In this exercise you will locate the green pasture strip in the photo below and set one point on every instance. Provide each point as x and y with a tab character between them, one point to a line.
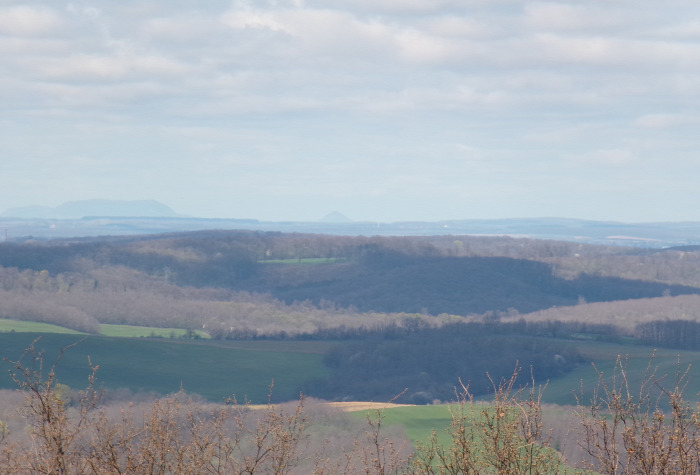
136	331
215	371
21	326
419	421
562	390
304	260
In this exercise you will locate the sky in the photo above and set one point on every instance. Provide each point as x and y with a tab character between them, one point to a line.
382	110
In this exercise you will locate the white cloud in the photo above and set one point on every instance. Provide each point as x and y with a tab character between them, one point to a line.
261	19
182	30
660	121
108	67
682	30
27	20
399	6
579	17
451	26
83	11
416	46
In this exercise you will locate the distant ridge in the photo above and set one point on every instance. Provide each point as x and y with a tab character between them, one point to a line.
85	208
335	217
144	217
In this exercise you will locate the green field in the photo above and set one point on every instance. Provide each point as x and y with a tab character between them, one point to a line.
135	331
19	326
419	421
561	390
215	370
129	331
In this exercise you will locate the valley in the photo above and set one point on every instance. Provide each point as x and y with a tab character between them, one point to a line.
263	317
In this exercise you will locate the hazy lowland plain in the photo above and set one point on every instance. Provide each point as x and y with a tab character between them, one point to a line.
423	320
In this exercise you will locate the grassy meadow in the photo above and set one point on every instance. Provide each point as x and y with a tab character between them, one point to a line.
19	326
418	421
136	331
214	371
667	363
127	331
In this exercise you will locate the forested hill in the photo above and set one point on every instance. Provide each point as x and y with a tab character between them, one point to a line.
446	274
465	285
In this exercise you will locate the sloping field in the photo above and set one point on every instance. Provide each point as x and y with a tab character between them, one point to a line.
666	362
130	331
20	326
215	371
420	421
136	331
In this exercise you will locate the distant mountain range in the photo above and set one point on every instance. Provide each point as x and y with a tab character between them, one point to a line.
94	208
117	218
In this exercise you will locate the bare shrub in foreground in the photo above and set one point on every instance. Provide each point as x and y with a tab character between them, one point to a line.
54	430
375	451
649	431
504	436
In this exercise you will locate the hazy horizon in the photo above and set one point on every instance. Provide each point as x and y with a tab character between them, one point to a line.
419	110
109	208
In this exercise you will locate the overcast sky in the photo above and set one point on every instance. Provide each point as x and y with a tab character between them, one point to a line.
383	110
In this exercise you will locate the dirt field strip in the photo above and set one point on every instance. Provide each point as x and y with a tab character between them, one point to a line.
349	406
364	406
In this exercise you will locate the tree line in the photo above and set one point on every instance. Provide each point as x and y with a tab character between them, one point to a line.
677	334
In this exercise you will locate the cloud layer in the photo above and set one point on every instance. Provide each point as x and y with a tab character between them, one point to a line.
384	109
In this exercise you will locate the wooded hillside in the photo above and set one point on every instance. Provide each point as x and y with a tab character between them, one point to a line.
238	283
